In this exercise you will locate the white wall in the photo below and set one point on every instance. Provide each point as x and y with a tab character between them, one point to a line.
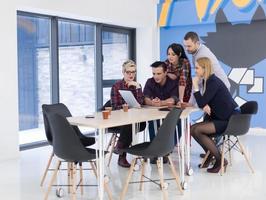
147	52
140	14
8	83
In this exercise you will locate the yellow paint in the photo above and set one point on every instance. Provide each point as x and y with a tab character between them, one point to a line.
216	5
164	13
241	3
201	6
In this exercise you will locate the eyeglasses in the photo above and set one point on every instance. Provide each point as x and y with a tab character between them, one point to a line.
130	72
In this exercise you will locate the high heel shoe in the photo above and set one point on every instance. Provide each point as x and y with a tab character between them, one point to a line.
208	161
217	167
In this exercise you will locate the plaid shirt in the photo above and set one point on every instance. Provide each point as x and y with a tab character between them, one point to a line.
117	100
183	73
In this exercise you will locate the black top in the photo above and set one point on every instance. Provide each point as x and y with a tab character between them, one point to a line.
218	98
168	90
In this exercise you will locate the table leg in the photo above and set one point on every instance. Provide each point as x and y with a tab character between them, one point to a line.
134	134
101	164
178	150
187	132
182	149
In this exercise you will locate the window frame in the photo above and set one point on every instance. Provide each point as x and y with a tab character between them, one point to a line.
100	84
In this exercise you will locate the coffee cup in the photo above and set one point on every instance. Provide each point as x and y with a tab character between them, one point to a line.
125	107
105	114
109	109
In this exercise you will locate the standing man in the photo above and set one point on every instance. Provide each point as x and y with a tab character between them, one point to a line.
199	50
159	90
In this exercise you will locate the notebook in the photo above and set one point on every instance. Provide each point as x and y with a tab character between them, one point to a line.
129	99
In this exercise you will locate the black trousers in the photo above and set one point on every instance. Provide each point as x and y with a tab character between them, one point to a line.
126	133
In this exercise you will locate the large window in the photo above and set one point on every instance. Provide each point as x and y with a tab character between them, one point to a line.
33	71
115	52
117	47
69	61
76	66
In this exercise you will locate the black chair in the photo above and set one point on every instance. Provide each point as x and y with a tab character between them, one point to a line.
114	138
162	145
62	110
115	135
238	125
67	147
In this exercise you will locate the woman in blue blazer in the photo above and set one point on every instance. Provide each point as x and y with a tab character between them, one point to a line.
218	104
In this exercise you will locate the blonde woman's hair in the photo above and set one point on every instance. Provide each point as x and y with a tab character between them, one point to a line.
206	64
127	64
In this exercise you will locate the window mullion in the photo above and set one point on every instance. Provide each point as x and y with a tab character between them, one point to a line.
54	61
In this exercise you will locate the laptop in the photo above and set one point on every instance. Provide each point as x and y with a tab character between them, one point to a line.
129	98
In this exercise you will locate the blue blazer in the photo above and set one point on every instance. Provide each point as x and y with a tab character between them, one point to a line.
218	98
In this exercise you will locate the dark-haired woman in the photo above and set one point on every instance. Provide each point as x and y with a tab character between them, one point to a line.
178	68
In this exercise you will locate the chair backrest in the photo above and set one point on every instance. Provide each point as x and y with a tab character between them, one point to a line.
107	104
66	143
47	128
112	129
239	124
250	107
60	109
164	141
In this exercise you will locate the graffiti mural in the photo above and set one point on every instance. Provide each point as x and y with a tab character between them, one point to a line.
234	31
237	56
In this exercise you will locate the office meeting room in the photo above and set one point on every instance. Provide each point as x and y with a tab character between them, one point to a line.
133	99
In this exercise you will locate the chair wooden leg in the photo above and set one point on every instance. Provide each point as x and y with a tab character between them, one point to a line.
229	150
52	179
122	196
71	179
160	171
47	168
222	157
68	176
81	178
107	189
245	155
113	142
205	158
74	177
175	175
143	165
93	166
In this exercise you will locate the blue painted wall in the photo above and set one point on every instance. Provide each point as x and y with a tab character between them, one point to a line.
182	17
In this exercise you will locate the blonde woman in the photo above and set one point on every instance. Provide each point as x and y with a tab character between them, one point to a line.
128	82
218	104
